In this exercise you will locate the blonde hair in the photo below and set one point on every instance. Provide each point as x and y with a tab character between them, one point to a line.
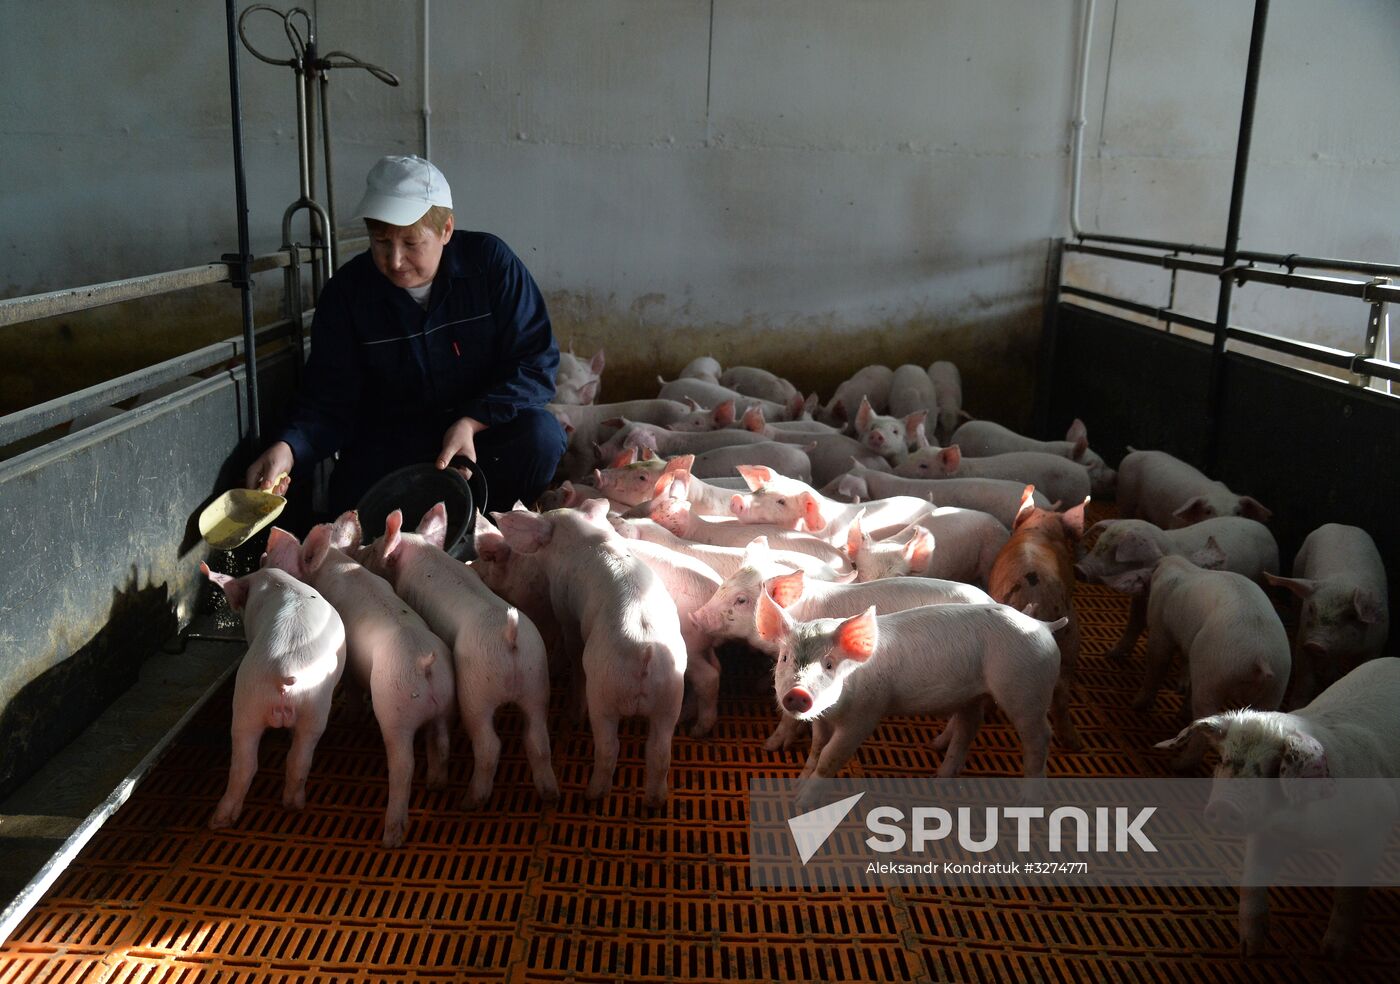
435	218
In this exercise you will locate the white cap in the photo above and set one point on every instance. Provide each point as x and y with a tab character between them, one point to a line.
400	190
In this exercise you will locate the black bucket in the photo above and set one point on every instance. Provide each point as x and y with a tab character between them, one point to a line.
416	489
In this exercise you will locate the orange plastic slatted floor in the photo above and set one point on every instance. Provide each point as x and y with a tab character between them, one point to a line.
572	895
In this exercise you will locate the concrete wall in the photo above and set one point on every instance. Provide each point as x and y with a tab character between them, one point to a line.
807	184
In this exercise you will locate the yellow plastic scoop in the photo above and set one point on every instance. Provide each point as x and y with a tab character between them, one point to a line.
231	519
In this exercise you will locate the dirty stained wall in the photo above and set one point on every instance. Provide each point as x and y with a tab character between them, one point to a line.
805	184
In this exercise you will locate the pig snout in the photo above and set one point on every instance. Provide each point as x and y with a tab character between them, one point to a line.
1232	805
739	504
707	619
797	701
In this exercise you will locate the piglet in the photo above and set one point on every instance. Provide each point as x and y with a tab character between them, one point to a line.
845	675
296	652
998	498
1349	731
1127	551
704	367
967	543
406	669
712	395
1340	581
1235	647
1154	486
982	438
947	383
753	381
1060	479
911	392
889	437
498	654
578	381
871	383
1036	567
618	621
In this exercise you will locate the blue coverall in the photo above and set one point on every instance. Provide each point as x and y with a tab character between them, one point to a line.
385	378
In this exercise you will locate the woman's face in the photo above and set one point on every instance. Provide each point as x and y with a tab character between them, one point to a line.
408	255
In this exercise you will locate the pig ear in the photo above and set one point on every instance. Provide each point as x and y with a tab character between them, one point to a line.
1210	557
640	439
524	531
1251	508
1077	432
753	418
1027	506
234	589
1303	771
565	422
433	526
624	458
1299	586
1073	519
811	512
648	454
345	531
1078	449
679	465
596	365
809	406
615	422
315	548
1131	582
919	551
1213	727
786	588
795	405
595	511
863	415
588	392
914	425
389	542
1195	510
772	623
692	405
1134	548
857	636
756	476
724	414
921	440
755	551
951	458
855	539
1367	606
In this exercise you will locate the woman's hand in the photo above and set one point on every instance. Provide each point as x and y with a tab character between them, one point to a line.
460	439
271	471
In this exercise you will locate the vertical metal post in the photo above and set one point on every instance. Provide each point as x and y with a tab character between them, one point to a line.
1216	387
1378	333
1049	339
240	275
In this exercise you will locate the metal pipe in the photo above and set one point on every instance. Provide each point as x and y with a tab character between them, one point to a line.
332	238
1377	333
17	310
242	278
427	105
1291	261
1077	124
1215	393
1167	261
1162	314
1322	354
40	417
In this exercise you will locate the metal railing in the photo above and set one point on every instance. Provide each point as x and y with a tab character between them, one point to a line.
1377	292
16	310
